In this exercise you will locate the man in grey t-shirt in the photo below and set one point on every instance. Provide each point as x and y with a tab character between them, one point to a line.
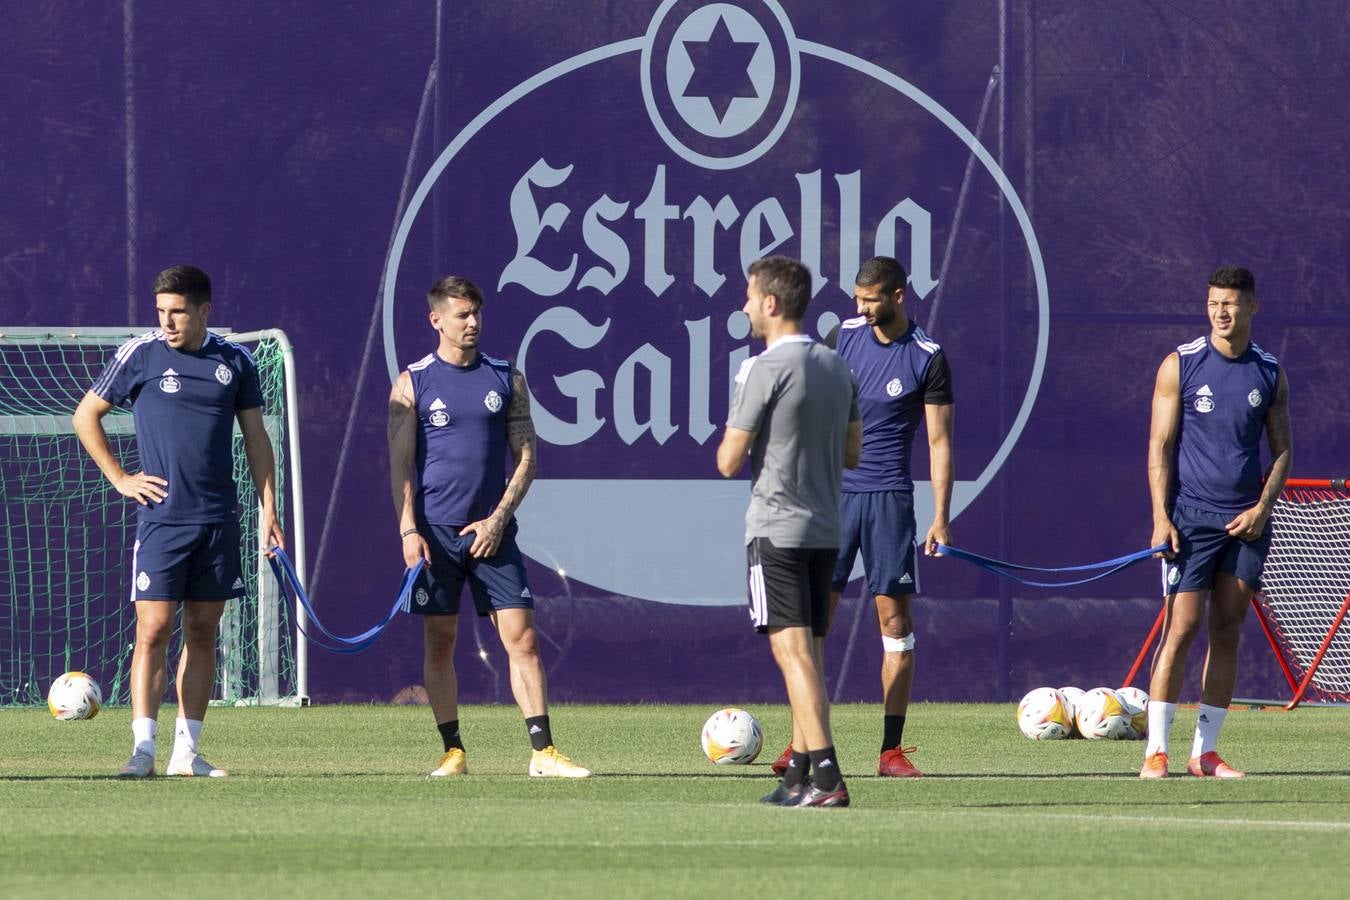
795	414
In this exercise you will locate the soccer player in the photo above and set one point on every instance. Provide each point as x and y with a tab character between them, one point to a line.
795	413
452	416
1212	400
903	379
186	388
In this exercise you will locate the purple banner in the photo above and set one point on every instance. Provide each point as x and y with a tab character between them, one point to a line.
1058	177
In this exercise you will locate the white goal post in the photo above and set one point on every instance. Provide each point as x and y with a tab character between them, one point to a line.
66	534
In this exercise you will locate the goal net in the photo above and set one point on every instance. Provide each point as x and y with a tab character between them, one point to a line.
1306	589
65	551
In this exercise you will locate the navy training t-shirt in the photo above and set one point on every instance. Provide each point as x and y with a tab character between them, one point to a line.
184	404
461	437
1223	416
895	381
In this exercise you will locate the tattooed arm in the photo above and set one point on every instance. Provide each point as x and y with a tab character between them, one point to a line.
520	438
402	435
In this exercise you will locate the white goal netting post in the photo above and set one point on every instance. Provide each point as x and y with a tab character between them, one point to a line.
1305	591
65	546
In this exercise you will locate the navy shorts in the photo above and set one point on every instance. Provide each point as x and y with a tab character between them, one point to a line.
789	586
881	524
1207	549
497	582
186	562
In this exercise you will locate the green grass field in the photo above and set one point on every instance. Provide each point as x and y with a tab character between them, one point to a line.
334	801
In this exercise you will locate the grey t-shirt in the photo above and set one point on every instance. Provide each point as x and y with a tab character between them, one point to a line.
798	397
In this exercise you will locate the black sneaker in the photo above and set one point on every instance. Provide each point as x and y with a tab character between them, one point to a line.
814	796
782	795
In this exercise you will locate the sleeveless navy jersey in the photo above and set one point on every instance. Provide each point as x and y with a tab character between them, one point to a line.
895	381
461	437
1223	415
184	404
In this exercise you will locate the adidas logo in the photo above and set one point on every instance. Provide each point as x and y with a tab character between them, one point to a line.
825	764
169	372
905	579
238	583
535	729
1204	718
525	593
436	404
1204	391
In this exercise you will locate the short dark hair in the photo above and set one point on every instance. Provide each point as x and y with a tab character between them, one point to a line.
1234	278
883	270
189	282
456	287
787	279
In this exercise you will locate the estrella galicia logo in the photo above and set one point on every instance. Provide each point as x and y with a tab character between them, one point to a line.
169	382
610	203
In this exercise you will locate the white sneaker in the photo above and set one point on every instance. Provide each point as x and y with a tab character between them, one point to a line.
141	765
194	766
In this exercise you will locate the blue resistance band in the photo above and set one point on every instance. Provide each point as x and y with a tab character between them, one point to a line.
1008	570
291	587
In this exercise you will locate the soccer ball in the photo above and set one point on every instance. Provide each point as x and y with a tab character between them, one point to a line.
732	737
1072	697
1042	715
74	696
1135	702
1101	716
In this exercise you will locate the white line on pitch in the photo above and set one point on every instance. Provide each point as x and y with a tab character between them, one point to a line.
1308	825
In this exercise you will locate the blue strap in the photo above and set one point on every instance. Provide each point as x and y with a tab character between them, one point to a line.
322	637
1007	570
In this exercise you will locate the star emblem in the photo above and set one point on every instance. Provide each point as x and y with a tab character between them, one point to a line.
721	69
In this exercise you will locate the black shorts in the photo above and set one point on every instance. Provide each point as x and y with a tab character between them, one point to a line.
789	586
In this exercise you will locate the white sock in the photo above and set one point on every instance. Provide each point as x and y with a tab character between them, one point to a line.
143	735
1160	716
1207	729
185	735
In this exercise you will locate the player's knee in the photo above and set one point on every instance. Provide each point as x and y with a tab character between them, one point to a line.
524	643
897	643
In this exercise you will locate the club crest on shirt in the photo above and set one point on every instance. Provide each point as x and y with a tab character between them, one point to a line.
143	581
893	387
1254	398
170	384
493	401
223	374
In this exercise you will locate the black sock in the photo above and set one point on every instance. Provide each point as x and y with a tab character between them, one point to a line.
450	734
892	732
797	768
825	769
541	735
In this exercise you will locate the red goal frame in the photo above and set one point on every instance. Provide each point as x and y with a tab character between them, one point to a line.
1270	629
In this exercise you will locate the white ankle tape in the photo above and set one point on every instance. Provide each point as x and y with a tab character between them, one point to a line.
897	645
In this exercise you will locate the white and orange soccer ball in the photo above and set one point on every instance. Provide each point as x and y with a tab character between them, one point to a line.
1102	716
1044	716
1072	696
74	696
1136	706
732	737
